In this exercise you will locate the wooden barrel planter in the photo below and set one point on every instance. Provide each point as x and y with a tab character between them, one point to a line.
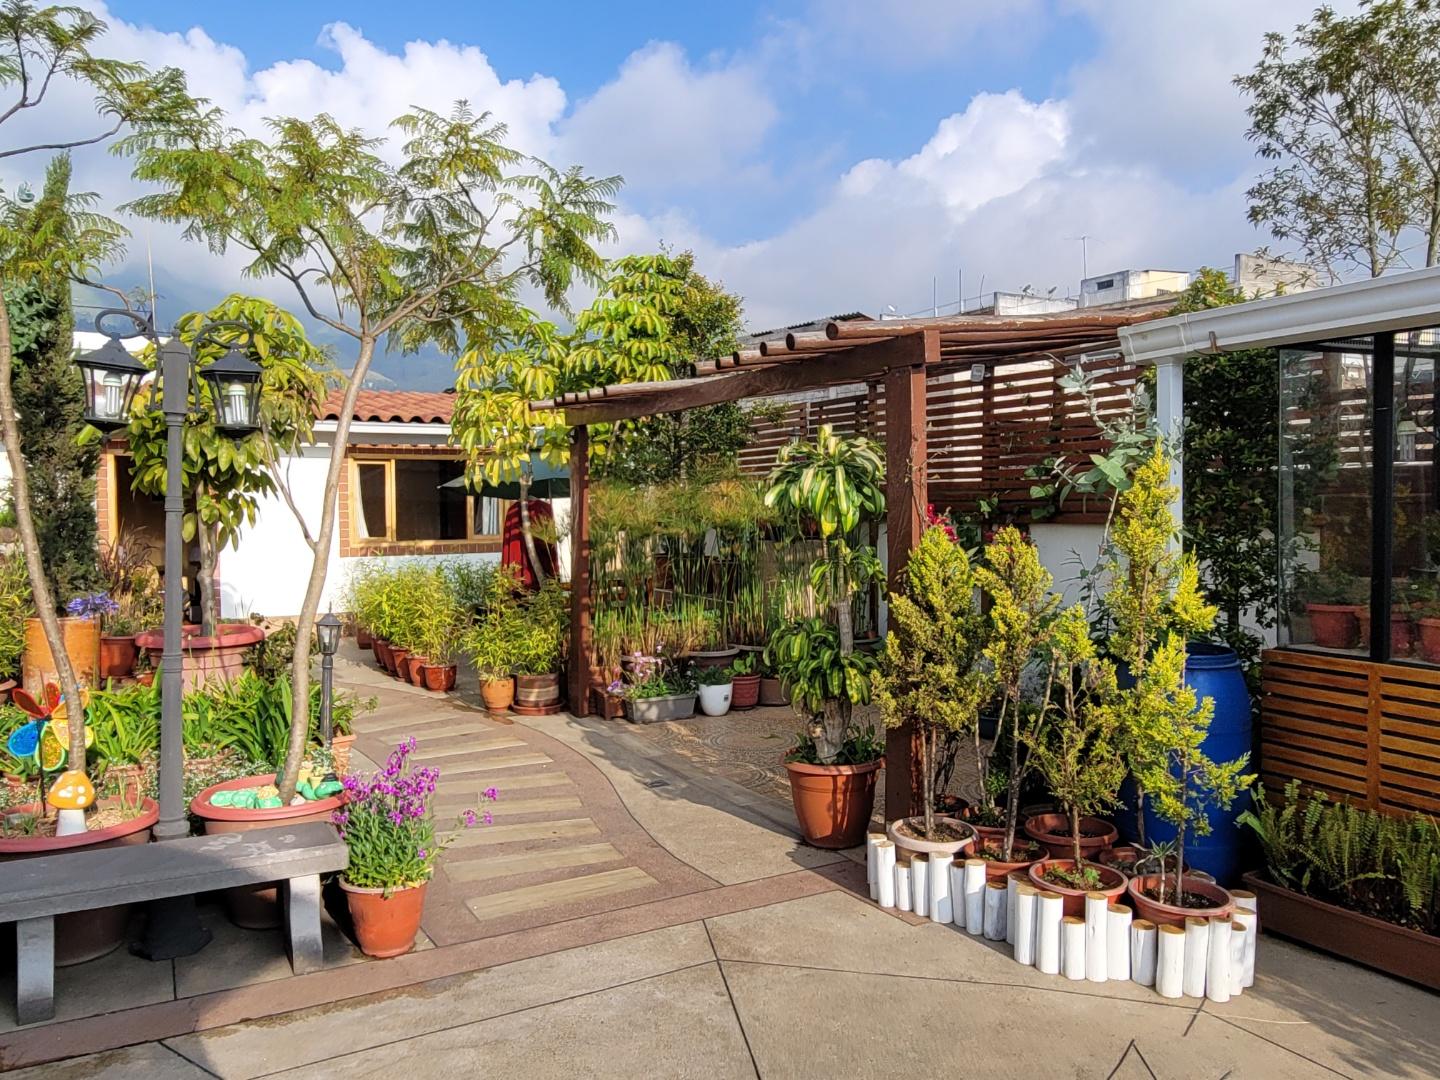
537	695
82	644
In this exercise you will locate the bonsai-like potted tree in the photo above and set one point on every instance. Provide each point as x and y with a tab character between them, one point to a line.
929	674
1077	751
830	487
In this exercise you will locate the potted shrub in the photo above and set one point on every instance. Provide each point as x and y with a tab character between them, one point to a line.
15	608
1358	883
1077	752
490	644
389	827
1333	601
657	692
745	681
930	678
709	648
539	647
715	688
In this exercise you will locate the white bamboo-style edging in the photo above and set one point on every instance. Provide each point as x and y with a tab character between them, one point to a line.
995	893
919	885
1247	905
1072	932
885	873
1197	951
1117	942
1049	909
1217	962
1097	949
1237	957
940	909
1142	951
975	896
957	893
872	877
1170	961
903	893
1024	924
1013	881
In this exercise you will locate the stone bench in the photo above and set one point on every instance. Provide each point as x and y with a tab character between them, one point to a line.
34	891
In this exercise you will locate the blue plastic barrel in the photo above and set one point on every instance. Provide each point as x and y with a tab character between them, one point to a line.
1214	672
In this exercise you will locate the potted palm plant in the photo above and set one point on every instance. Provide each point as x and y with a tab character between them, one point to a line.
930	677
830	488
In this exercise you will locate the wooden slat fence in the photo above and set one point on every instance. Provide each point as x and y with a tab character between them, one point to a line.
1362	731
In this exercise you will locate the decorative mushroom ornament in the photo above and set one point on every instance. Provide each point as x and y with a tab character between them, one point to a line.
71	794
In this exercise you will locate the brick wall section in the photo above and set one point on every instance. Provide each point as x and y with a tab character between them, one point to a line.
353	547
104	508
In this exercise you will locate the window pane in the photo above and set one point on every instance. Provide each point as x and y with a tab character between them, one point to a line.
370	506
429	499
1325	476
488	515
1414	633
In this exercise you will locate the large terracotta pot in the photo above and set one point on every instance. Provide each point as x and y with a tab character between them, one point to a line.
438	677
82	645
363	640
85	935
256	907
537	691
745	691
204	659
414	666
910	839
1174	914
713	658
385	925
1112	884
1402	630
383	656
1430	639
398	655
1335	626
117	656
995	868
498	694
1052	832
833	802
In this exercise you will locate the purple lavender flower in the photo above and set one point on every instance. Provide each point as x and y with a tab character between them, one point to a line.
422	854
470	818
492	793
489	817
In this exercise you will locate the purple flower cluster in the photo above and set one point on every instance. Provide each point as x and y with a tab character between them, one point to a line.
397	793
90	606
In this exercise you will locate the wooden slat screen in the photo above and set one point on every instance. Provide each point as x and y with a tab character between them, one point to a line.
1358	730
983	436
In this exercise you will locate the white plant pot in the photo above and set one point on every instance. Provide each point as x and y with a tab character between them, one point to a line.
715	700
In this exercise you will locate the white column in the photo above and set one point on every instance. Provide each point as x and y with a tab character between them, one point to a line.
1142	951
1170	961
1025	901
1170	416
1072	933
975	896
1117	942
940	909
1197	951
885	873
1237	957
1049	909
903	891
994	920
1249	920
920	885
1097	951
871	878
1217	962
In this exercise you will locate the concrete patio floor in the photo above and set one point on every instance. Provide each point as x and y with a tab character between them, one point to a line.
653	918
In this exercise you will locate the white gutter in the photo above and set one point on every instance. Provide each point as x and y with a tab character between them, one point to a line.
377	427
1397	302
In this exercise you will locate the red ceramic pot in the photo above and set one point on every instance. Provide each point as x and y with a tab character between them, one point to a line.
833	802
415	669
1334	626
1052	832
745	691
439	677
117	656
386	921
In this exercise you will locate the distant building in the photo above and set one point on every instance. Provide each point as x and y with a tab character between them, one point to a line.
1264	275
1122	285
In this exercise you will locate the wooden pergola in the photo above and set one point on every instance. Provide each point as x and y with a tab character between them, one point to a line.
899	355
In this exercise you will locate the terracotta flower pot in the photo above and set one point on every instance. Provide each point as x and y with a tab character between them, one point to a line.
907	833
81	636
439	677
833	802
340	747
498	694
85	935
1334	626
1173	914
385	925
398	667
202	658
1052	832
1112	883
363	640
117	656
1429	639
745	691
1402	630
997	868
772	692
415	669
256	907
382	654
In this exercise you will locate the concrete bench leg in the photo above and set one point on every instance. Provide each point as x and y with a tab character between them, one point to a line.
302	921
35	970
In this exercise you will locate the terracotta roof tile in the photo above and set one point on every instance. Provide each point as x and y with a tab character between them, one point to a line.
395	406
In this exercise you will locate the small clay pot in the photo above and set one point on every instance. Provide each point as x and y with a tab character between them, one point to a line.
415	669
909	838
398	657
117	656
1052	832
363	640
498	694
1112	883
1174	914
385	925
997	869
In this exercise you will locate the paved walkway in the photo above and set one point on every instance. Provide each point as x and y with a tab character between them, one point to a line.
631	914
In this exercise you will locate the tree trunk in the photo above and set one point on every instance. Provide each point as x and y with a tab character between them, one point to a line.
1012	786
927	763
829	730
205	535
526	532
30	543
1075	834
310	606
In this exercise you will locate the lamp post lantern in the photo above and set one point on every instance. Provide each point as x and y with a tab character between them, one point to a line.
327	629
112	379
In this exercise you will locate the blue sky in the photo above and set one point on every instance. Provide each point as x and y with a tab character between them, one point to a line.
819	156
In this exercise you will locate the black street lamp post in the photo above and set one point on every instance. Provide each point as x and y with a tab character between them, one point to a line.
328	631
112	379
